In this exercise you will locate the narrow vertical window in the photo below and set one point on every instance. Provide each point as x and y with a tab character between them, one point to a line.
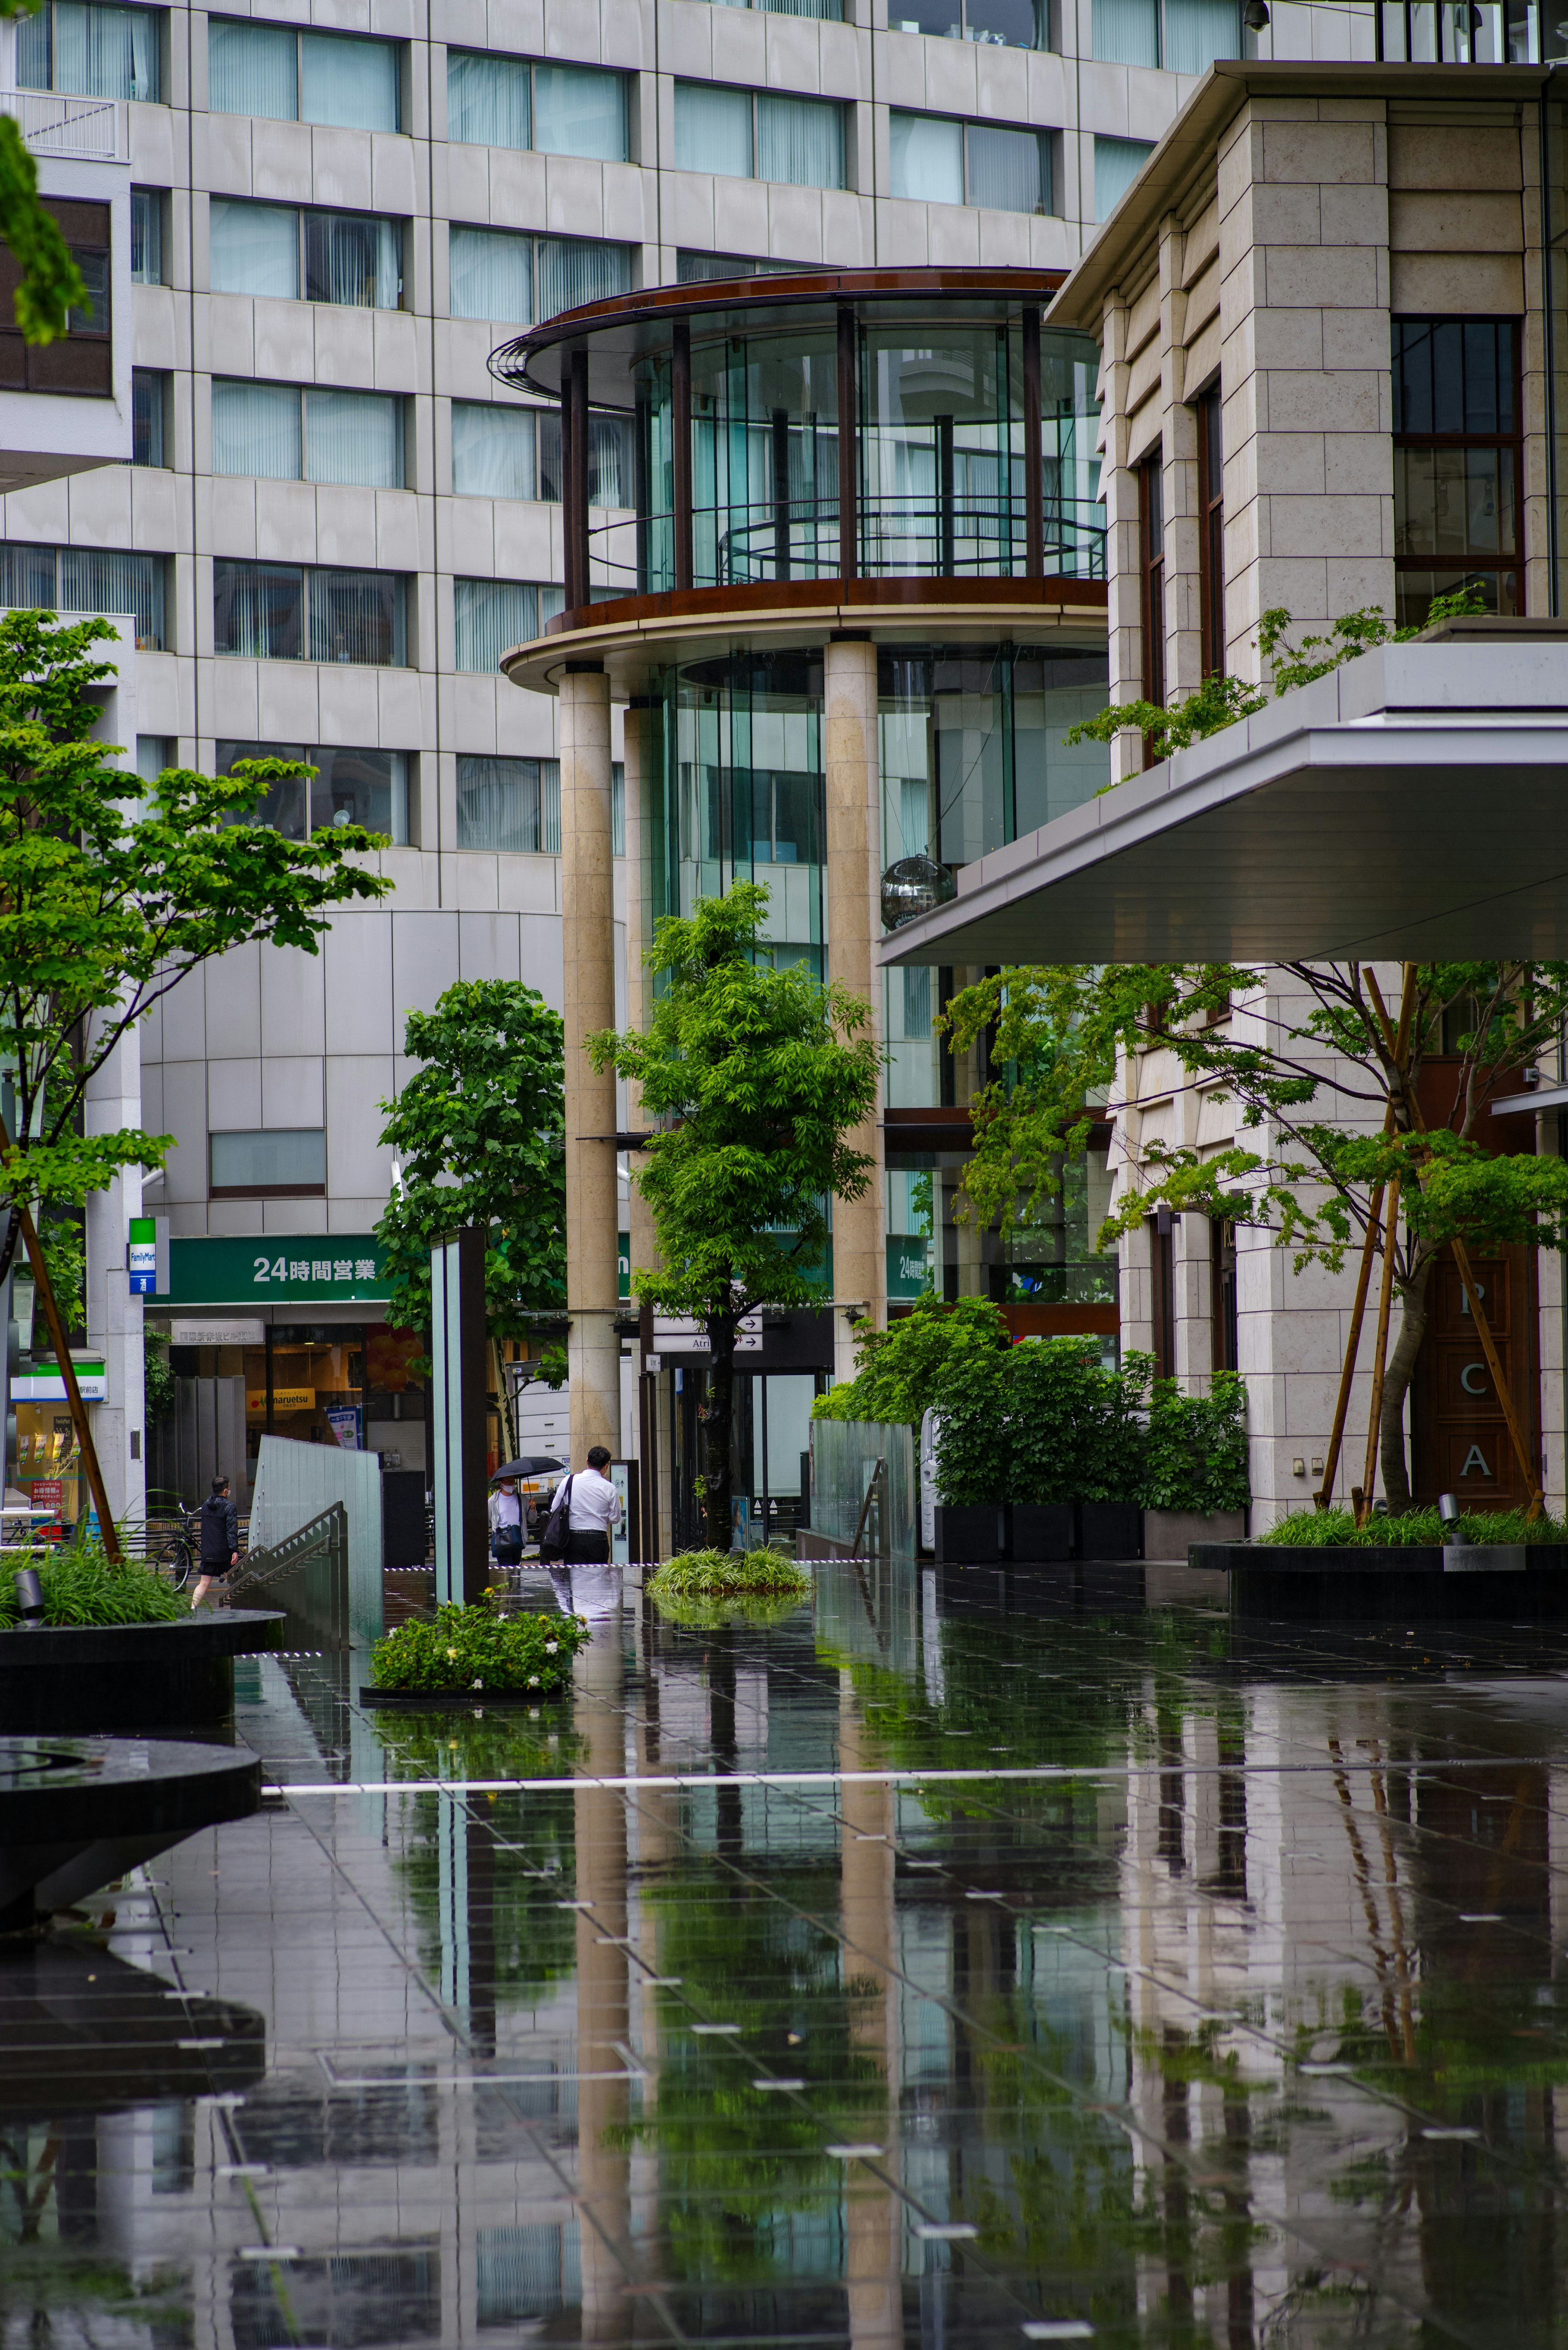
1151	549
1224	1330
1211	533
1457	463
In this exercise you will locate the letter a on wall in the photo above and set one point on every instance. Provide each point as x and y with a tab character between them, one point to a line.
1475	1459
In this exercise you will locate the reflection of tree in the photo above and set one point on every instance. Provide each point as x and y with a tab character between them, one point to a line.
53	2288
527	1839
745	2186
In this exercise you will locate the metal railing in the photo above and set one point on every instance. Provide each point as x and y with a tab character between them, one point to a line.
54	125
899	536
305	1574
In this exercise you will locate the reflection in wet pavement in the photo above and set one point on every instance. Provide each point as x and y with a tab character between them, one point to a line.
968	1958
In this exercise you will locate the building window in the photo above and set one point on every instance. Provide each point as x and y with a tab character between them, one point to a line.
292	612
747	134
82	362
295	433
274	1163
147	237
938	160
1151	553
278	251
1162	1299
998	24
511	805
491	616
515	452
515	279
556	110
349	787
148	397
86	580
825	12
1118	163
1183	36
705	268
286	75
1211	533
91	51
1224	1329
1458	471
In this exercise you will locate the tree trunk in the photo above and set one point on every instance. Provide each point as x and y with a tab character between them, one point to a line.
1396	1386
717	1474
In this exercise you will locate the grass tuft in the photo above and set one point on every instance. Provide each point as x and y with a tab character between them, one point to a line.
702	1586
85	1587
1337	1529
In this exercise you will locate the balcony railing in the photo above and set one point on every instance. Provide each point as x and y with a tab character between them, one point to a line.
52	125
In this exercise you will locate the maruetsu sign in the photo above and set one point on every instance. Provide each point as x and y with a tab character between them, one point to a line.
142	1257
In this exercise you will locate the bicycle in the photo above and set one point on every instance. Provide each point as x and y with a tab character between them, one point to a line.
179	1557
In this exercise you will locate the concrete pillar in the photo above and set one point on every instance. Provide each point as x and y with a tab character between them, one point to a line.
587	941
854	927
640	721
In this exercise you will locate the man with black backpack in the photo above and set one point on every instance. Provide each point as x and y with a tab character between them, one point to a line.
220	1539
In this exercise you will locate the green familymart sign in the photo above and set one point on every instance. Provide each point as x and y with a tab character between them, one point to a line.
273	1268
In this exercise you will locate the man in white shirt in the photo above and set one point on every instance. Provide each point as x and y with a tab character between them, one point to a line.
593	1506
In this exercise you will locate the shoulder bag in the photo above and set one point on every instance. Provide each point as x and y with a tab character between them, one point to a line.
557	1527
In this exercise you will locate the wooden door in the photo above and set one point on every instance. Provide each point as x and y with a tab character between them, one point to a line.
1461	1442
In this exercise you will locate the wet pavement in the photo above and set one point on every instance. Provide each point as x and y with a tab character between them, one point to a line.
966	1958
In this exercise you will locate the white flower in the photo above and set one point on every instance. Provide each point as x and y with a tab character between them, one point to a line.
479	1684
452	1652
552	1647
532	1680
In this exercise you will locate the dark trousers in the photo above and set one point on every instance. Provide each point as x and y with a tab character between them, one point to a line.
584	1549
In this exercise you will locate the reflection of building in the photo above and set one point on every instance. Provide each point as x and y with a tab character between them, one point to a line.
1325	324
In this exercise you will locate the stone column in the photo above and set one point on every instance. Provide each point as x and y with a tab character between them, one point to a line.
853	849
588	943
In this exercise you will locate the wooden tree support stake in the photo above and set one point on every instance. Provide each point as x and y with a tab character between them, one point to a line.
57	1329
1380	1358
1323	1498
1494	1364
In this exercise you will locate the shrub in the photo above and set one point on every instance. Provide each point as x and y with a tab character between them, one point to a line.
903	1370
1195	1453
86	1586
478	1647
1337	1529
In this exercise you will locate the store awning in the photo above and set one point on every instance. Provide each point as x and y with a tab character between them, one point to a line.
1414	803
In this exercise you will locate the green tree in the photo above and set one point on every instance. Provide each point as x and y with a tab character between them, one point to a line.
479	1130
1326	1079
754	1077
107	904
900	1371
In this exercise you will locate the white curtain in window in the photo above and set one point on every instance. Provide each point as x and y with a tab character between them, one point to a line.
258	609
712	130
255	429
487	100
35	68
1127	32
357	616
353	436
252	69
353	258
574	269
146	236
1118	163
254	249
513	805
94	580
492	616
491	451
1004	169
579	110
103	52
491	276
926	158
1199	31
800	140
348	81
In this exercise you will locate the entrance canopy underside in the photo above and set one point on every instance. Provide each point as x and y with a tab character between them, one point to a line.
1413	804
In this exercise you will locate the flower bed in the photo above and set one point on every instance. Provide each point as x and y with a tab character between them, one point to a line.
479	1651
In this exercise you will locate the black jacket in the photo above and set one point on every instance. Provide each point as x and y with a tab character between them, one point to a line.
220	1531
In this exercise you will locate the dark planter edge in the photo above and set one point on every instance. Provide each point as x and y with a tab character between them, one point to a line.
230	1632
1281	1558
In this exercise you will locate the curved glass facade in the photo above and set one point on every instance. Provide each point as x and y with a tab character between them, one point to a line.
939	471
971	754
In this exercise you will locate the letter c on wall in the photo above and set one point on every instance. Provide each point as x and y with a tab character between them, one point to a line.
1465	1378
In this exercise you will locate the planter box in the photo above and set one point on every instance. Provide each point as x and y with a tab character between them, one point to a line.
1043	1532
1169	1534
115	1679
1110	1530
971	1535
1520	1583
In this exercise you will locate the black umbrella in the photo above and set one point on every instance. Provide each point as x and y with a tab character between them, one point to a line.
517	1468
